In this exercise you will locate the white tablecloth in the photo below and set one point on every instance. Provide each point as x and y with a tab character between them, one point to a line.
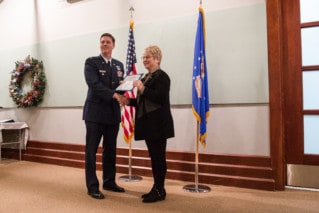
16	126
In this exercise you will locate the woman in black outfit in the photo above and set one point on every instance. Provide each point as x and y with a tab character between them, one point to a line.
153	118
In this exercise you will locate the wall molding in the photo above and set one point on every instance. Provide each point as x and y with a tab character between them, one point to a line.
253	172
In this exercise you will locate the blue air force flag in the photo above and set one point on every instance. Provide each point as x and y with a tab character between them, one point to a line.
200	99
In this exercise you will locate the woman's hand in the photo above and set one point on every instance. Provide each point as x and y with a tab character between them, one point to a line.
139	85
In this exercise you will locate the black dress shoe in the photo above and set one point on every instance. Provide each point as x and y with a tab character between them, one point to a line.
96	195
162	192
155	195
113	187
147	194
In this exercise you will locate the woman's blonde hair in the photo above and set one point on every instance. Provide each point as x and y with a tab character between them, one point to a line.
155	51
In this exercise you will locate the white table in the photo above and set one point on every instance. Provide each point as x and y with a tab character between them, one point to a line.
23	134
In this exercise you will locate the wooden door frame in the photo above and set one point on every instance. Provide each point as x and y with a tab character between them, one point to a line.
276	66
293	83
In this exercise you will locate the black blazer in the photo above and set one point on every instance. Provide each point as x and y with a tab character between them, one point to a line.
153	118
100	107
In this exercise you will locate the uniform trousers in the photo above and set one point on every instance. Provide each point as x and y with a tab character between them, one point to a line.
94	134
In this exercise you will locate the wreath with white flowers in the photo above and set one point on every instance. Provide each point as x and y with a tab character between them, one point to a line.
38	82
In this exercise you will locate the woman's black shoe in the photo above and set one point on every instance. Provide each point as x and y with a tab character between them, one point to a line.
96	195
147	194
155	195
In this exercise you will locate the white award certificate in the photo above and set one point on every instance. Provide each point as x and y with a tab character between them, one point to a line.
127	84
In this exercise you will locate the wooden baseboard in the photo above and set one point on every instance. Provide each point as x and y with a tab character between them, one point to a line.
253	172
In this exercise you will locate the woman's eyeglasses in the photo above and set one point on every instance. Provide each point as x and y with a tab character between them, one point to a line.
146	57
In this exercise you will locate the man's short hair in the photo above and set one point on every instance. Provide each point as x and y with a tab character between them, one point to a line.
108	35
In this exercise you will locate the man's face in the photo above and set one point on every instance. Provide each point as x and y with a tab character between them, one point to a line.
106	45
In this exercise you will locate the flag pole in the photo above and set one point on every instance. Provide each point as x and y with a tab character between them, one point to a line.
130	177
196	159
197	187
130	159
199	75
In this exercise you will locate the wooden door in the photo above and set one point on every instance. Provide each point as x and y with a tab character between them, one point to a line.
301	91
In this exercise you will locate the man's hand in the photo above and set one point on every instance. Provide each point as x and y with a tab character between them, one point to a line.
122	99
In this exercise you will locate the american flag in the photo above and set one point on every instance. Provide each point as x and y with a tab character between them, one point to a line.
128	111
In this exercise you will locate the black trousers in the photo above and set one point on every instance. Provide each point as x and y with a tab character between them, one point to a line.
157	152
94	134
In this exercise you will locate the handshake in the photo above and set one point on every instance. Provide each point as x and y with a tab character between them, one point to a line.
122	99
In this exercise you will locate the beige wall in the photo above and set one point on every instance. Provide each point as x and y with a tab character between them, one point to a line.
231	129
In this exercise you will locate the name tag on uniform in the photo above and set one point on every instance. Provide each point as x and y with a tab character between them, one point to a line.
102	72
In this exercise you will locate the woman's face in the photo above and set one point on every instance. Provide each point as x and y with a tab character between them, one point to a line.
150	63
